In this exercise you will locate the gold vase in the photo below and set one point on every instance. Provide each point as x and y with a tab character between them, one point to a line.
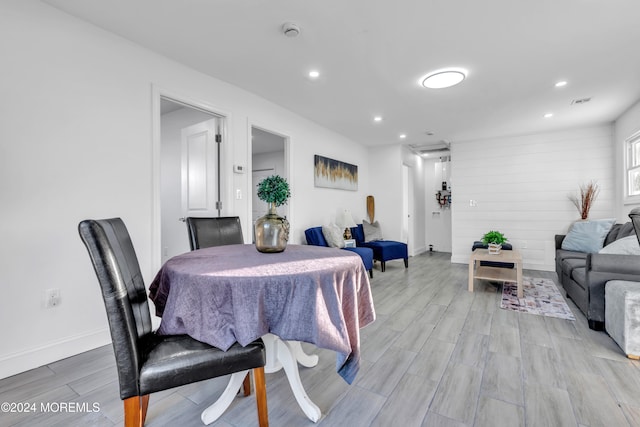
272	232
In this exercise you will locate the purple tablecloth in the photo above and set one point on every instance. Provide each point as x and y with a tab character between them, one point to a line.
225	294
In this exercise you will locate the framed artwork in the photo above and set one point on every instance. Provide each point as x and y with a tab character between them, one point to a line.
330	173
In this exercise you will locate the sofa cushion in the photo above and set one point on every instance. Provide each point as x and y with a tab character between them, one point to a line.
315	237
372	232
579	276
587	236
357	233
570	264
333	235
618	231
624	246
561	254
366	254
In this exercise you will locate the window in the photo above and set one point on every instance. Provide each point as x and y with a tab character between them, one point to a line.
633	166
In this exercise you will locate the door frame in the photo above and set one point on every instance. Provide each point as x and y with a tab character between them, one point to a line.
408	206
157	93
287	165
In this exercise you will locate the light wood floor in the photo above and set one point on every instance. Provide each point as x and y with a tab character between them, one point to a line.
436	356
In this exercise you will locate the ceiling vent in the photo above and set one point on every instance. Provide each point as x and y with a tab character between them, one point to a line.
439	147
580	101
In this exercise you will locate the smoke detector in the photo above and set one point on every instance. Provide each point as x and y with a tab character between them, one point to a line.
290	29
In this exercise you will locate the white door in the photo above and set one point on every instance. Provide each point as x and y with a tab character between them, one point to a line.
199	175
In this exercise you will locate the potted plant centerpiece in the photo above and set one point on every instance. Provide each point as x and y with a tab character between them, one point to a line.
494	239
272	230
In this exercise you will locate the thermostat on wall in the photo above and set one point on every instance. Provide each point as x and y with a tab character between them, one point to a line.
238	168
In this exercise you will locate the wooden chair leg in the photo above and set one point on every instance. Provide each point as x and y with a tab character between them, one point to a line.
246	385
261	397
135	410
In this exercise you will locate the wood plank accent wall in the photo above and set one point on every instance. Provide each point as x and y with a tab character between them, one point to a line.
521	186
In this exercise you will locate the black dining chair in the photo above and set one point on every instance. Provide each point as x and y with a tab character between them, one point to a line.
148	362
219	231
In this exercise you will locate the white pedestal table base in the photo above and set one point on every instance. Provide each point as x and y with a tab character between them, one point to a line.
280	354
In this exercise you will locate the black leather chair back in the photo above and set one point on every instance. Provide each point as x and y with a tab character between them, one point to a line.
208	232
125	296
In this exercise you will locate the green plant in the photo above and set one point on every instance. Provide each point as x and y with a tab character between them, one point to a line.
274	189
494	237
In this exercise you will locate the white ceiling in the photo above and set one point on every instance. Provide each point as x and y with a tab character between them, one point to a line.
371	54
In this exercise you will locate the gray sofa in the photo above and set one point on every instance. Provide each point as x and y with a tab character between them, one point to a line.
584	275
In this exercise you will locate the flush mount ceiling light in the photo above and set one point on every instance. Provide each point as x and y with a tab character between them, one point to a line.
443	78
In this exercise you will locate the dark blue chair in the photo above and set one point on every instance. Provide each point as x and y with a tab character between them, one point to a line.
383	250
316	238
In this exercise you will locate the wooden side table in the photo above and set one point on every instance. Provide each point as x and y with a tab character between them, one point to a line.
496	273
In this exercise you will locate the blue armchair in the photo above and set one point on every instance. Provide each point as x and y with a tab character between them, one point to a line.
315	237
383	250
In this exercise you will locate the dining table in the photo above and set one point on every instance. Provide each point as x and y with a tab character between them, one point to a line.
234	293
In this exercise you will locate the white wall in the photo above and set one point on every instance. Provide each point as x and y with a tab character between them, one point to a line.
386	188
626	125
521	186
76	142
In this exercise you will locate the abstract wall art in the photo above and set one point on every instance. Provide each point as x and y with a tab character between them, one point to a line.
330	173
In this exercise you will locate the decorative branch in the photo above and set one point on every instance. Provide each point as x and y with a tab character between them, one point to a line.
588	194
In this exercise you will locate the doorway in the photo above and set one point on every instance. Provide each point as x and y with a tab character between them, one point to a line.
189	165
268	157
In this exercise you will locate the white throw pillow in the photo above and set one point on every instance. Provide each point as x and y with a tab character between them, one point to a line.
626	246
333	236
372	232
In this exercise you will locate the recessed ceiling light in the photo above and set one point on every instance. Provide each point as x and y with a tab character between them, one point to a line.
546	116
561	83
403	136
314	74
377	119
443	78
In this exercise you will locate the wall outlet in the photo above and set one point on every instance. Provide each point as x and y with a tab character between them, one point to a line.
52	298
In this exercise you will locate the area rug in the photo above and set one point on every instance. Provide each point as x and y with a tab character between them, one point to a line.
541	297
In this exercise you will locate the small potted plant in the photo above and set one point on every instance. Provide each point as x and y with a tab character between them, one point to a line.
272	230
494	239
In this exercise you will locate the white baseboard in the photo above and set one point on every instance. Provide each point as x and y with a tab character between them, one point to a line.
418	251
16	363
